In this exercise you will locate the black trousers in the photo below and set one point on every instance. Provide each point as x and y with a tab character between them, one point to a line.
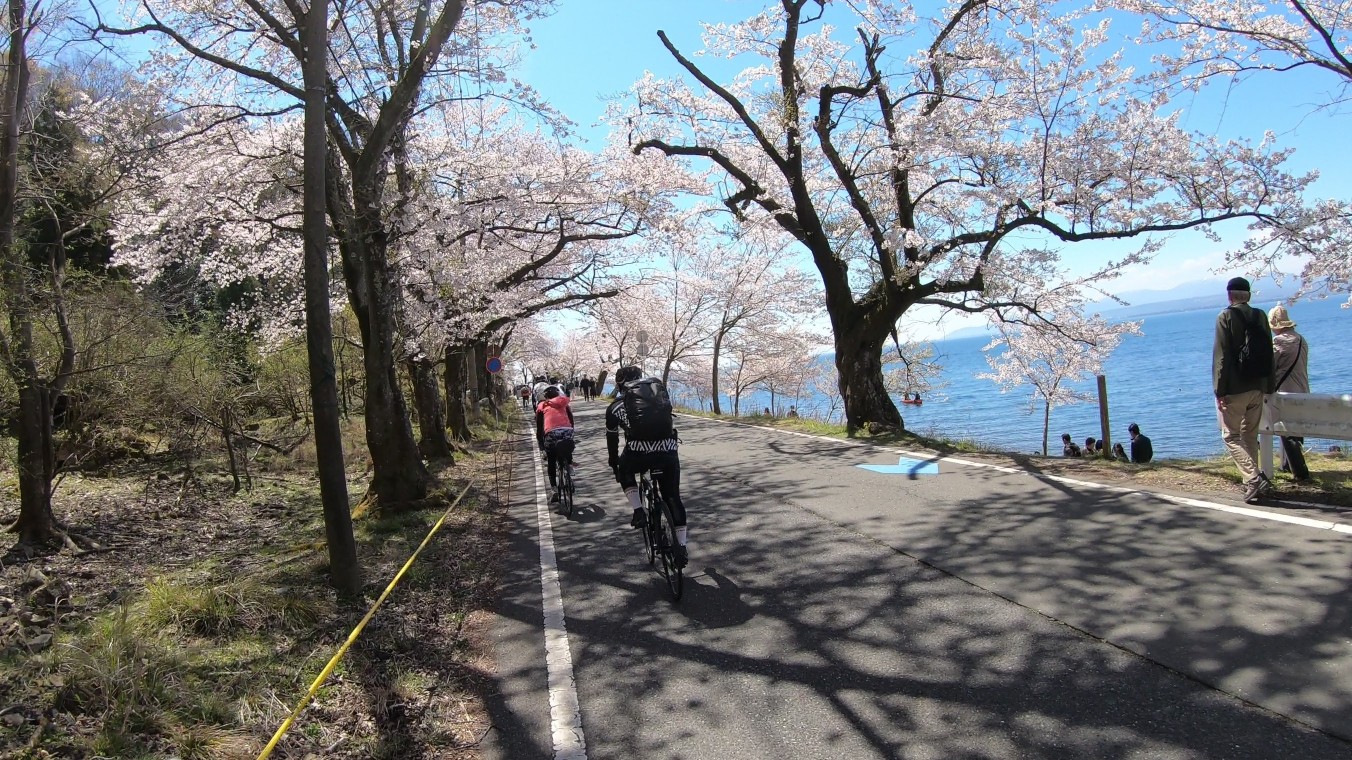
632	463
1295	457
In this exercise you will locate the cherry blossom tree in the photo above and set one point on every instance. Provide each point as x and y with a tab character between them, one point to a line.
771	359
755	291
1052	360
915	368
926	160
1205	42
388	60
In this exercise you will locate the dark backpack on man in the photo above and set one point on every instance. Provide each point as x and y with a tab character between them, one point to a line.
1254	358
648	409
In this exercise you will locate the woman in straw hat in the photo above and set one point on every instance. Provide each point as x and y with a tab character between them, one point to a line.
1293	376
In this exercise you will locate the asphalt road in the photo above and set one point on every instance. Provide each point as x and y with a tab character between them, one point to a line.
836	612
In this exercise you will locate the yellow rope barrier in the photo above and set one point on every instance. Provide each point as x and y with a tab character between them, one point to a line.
352	637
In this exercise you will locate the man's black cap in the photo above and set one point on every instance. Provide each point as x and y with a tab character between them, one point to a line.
1237	283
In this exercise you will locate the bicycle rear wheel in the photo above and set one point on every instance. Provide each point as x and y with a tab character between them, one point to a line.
674	575
645	497
566	489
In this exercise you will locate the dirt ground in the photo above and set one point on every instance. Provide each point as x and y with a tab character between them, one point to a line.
411	686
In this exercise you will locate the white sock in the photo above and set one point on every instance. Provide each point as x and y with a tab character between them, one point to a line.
632	495
680	535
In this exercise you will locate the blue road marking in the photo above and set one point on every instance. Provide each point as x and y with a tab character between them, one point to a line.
904	466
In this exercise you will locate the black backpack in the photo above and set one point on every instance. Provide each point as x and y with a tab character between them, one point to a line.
647	407
1254	359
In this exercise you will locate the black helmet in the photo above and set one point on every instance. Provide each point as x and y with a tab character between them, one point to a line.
627	374
552	391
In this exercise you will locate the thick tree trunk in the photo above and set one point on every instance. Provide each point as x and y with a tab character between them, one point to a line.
432	441
37	526
859	349
400	478
457	416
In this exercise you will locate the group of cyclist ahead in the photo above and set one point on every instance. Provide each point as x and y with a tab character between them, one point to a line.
642	411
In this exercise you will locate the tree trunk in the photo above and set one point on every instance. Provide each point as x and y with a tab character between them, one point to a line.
400	478
37	526
457	416
718	349
859	350
1046	425
432	441
344	569
488	382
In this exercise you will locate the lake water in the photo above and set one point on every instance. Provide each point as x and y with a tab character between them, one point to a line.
1160	380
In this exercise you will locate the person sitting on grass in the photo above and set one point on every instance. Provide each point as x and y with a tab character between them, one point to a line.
1141	449
1070	448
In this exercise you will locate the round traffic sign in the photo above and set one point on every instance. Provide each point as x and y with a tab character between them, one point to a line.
493	365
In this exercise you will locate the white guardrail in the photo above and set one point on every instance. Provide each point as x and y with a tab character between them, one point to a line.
1308	415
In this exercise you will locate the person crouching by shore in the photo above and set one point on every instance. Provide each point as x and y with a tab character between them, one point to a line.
1070	448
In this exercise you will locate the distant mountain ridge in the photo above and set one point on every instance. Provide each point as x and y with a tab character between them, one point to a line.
1199	294
1188	296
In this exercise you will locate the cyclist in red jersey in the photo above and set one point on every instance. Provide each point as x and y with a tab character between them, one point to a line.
554	433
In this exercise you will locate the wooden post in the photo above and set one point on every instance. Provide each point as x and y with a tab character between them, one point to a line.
1104	435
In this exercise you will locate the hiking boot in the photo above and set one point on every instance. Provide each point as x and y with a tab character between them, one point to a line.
679	556
639	519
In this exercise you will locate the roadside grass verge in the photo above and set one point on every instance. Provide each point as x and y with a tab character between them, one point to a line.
195	635
1216	477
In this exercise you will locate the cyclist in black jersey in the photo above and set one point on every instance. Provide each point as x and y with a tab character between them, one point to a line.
644	450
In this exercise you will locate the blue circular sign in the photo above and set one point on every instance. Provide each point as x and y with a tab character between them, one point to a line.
493	365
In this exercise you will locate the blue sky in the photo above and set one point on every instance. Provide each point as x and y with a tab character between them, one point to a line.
592	48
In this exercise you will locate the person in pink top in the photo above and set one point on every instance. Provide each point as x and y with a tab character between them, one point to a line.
554	434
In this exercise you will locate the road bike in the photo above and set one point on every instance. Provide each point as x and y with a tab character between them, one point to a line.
566	488
659	535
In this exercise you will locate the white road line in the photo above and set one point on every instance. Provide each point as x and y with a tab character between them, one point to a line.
1180	500
565	713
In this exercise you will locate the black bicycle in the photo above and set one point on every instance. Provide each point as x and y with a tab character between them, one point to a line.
660	534
564	477
566	489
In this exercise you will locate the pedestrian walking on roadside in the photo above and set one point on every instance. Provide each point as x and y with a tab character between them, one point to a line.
1241	374
1292	360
